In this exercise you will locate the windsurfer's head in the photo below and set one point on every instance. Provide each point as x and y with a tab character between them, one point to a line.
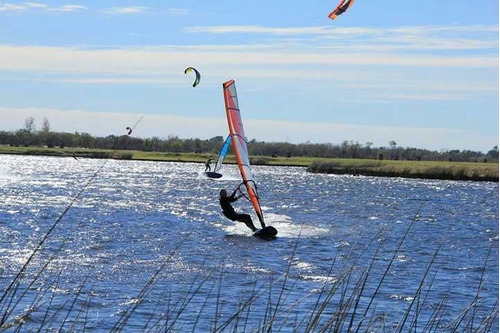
223	193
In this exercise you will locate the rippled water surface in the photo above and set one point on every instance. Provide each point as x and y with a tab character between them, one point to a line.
143	246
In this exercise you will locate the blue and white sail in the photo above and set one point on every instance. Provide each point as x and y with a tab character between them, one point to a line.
222	154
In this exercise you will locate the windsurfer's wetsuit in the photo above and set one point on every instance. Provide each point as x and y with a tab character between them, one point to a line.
228	210
207	165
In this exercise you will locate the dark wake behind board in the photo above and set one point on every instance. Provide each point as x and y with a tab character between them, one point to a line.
266	233
210	174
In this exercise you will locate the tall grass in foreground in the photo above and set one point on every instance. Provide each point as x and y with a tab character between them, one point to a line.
344	303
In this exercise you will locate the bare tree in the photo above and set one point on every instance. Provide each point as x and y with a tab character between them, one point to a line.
29	124
45	125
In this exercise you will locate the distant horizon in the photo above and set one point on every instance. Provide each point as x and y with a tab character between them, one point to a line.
163	126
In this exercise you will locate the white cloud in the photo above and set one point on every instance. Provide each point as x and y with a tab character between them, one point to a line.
126	10
375	87
347	32
170	59
371	68
118	80
131	10
8	7
470	37
248	29
460	29
68	8
107	123
165	65
36	5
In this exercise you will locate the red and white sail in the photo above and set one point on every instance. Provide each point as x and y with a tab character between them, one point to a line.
239	141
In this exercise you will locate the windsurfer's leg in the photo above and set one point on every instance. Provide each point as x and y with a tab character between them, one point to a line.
247	219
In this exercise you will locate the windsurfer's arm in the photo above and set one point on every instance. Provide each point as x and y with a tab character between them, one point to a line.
233	196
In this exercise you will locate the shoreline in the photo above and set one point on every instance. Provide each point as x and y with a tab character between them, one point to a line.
471	171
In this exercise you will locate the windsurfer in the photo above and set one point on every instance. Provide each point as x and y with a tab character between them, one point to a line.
228	210
207	165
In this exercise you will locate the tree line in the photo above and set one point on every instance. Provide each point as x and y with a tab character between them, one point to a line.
29	136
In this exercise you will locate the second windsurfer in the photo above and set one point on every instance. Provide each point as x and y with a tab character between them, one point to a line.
207	165
228	210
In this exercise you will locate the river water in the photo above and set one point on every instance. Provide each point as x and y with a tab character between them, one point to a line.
142	246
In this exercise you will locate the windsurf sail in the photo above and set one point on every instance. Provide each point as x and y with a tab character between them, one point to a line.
222	154
239	141
341	8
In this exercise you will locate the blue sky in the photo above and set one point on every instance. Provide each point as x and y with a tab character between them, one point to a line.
422	73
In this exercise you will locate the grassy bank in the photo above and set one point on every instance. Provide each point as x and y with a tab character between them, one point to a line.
409	169
151	156
383	168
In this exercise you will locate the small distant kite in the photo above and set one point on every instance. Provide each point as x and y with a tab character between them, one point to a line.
130	129
197	79
341	8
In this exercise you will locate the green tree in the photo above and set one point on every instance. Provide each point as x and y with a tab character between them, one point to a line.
493	153
217	138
